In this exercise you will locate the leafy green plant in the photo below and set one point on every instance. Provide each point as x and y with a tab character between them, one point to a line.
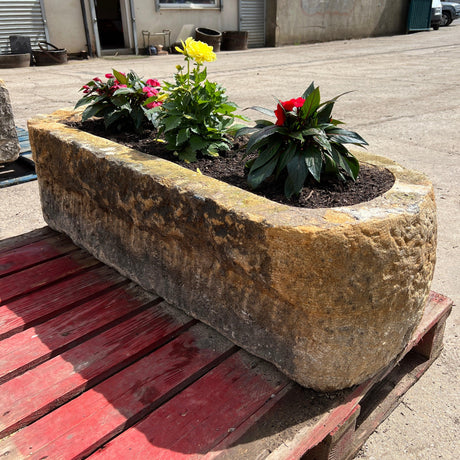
305	140
123	100
196	115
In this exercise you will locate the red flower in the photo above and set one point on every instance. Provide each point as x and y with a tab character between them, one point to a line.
97	79
109	75
288	106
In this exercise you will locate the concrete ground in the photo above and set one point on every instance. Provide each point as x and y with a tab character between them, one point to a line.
405	104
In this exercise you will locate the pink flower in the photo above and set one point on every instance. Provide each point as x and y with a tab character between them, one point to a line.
109	75
150	91
152	82
153	104
288	106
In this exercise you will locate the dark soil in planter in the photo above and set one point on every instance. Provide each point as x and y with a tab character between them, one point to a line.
229	167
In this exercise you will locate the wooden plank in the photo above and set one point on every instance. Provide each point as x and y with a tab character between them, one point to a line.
31	254
29	237
40	275
36	392
33	346
201	416
120	401
385	397
41	305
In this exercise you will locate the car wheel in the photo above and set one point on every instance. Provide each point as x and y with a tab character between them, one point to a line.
446	18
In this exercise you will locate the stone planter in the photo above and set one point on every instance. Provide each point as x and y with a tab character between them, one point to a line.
330	296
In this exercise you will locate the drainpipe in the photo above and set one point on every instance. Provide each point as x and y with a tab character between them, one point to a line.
85	23
95	29
133	23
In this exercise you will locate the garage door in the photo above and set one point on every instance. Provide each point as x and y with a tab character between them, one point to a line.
252	20
21	17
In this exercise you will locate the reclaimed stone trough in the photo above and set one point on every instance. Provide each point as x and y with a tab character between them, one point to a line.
329	296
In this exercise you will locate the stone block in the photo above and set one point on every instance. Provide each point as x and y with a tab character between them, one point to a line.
9	143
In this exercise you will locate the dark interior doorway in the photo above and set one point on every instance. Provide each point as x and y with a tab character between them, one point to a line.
109	23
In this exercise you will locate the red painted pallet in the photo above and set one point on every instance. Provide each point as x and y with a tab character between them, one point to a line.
92	366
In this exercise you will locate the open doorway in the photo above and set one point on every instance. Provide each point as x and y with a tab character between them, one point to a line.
110	24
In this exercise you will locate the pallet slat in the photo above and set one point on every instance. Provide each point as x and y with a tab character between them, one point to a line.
34	253
50	301
33	346
40	275
121	400
201	416
59	379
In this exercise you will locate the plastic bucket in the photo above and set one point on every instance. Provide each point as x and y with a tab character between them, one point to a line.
235	40
210	37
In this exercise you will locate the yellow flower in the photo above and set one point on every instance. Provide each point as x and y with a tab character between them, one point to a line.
196	50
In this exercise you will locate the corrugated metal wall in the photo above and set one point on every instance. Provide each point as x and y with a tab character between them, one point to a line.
252	19
21	17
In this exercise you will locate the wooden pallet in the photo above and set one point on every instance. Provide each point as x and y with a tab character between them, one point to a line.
23	169
93	366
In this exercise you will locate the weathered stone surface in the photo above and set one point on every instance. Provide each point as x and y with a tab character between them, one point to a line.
330	296
9	144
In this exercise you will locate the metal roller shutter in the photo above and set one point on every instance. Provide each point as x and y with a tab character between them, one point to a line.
21	17
252	19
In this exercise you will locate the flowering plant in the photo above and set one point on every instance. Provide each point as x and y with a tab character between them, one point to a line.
305	140
123	100
196	114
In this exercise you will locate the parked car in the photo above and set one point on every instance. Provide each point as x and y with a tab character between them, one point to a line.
436	14
450	11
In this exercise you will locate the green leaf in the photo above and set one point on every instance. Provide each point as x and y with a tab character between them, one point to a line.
270	113
264	133
112	117
263	167
124	91
296	135
323	141
311	103
137	114
297	173
83	101
324	115
286	157
91	111
120	77
311	132
171	122
182	136
197	143
314	161
344	136
309	90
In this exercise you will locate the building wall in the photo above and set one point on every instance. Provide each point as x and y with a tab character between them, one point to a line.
307	21
66	28
65	24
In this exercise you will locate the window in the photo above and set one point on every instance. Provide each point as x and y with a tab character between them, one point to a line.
188	3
